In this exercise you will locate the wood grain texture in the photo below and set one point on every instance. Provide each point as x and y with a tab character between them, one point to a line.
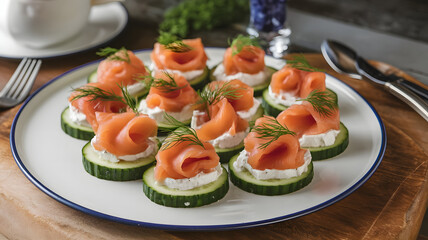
390	205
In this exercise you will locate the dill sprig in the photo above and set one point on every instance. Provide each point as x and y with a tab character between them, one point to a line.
182	133
271	131
300	62
212	95
324	102
172	42
96	93
130	100
163	85
111	54
145	79
166	85
241	42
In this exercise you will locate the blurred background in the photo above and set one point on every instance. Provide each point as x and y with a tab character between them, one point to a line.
388	31
403	18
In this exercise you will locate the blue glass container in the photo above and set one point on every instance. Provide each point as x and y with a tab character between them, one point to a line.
268	23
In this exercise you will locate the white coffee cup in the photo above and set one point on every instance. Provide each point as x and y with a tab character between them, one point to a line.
43	23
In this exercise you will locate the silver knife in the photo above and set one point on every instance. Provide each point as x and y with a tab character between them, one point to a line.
398	87
343	59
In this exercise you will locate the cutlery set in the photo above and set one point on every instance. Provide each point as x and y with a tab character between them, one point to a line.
19	85
345	60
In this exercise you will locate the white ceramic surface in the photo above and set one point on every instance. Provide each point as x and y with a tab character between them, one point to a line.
105	22
43	23
52	161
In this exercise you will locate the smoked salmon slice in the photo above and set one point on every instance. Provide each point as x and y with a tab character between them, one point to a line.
305	120
174	97
250	59
244	99
121	68
89	107
123	133
194	59
184	160
297	82
223	119
283	153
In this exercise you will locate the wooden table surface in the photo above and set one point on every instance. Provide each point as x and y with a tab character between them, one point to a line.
390	205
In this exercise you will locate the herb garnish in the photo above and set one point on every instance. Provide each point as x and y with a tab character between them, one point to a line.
96	93
161	84
130	100
193	15
271	131
243	42
300	62
324	102
172	42
210	96
111	54
182	133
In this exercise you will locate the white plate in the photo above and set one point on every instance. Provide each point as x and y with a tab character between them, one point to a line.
105	23
52	161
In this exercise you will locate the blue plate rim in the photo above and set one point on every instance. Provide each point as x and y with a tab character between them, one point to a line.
73	205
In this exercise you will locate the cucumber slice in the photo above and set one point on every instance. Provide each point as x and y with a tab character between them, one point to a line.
73	129
142	94
271	108
247	182
201	81
93	78
226	154
196	197
341	143
274	109
164	128
259	113
258	89
120	171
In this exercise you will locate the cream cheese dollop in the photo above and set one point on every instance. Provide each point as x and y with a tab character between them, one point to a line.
249	114
188	75
319	140
250	79
284	98
199	180
134	89
158	114
228	141
242	164
151	149
78	117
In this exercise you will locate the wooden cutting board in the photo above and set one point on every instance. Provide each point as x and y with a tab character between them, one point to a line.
390	205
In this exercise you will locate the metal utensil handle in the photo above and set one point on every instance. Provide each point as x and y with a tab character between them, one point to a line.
408	97
420	91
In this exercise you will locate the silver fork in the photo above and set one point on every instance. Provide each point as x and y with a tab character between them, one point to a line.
19	85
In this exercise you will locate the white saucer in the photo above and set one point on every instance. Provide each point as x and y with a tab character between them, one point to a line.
105	23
